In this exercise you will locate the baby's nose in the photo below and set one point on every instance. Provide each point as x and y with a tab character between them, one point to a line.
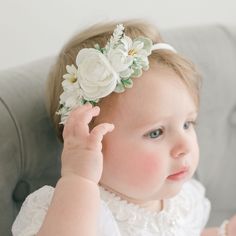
180	147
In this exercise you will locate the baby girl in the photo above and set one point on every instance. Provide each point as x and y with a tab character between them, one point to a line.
125	105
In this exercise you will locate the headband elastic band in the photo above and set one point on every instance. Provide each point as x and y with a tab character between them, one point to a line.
163	46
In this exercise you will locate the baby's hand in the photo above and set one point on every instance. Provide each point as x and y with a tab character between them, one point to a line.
231	228
82	151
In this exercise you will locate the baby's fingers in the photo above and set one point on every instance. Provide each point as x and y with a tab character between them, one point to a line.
97	133
82	120
77	123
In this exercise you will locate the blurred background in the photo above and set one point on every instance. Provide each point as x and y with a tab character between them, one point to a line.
30	29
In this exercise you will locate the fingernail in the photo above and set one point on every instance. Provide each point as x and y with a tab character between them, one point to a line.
112	126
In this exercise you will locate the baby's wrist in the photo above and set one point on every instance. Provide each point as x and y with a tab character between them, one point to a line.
77	178
223	229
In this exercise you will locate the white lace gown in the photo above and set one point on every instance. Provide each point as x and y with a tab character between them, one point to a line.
184	215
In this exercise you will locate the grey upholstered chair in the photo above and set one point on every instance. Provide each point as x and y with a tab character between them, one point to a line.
30	151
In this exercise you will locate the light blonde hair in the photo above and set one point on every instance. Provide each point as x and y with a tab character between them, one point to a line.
101	33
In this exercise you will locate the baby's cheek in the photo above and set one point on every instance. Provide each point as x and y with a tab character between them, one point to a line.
146	169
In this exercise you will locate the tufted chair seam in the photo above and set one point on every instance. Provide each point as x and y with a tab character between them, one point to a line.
19	135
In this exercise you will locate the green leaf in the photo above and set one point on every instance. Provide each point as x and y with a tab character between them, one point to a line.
119	88
92	102
137	72
147	43
128	83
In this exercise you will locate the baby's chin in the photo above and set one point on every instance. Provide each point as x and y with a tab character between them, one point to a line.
172	193
166	195
173	189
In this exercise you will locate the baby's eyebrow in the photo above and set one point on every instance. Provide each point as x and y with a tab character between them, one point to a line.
156	121
193	113
149	124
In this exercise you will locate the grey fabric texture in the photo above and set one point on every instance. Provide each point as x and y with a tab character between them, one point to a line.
30	151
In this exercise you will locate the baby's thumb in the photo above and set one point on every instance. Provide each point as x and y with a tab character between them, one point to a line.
99	131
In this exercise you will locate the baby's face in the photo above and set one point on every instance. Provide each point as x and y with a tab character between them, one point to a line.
153	149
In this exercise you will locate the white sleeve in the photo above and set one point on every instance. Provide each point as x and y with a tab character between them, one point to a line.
107	225
33	212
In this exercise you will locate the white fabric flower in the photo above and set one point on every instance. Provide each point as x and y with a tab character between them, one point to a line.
101	71
71	73
96	76
70	82
119	59
130	57
70	98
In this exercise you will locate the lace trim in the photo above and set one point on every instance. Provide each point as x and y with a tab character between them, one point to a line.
170	218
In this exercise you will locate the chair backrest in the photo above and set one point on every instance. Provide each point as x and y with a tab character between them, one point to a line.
30	151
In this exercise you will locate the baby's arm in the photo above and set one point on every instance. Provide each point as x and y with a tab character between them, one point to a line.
230	229
210	232
75	203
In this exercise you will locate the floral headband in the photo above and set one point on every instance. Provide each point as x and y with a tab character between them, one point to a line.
101	71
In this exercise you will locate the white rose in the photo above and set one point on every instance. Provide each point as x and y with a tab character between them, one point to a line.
96	76
120	60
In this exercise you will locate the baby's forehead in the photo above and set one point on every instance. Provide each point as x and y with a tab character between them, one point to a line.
159	92
156	101
140	118
148	89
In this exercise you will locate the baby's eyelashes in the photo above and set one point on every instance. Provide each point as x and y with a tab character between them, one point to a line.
190	123
157	133
154	134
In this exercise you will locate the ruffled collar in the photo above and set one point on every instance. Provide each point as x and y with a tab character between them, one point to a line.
134	218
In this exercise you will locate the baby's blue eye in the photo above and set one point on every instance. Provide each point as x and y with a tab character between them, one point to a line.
155	133
188	124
